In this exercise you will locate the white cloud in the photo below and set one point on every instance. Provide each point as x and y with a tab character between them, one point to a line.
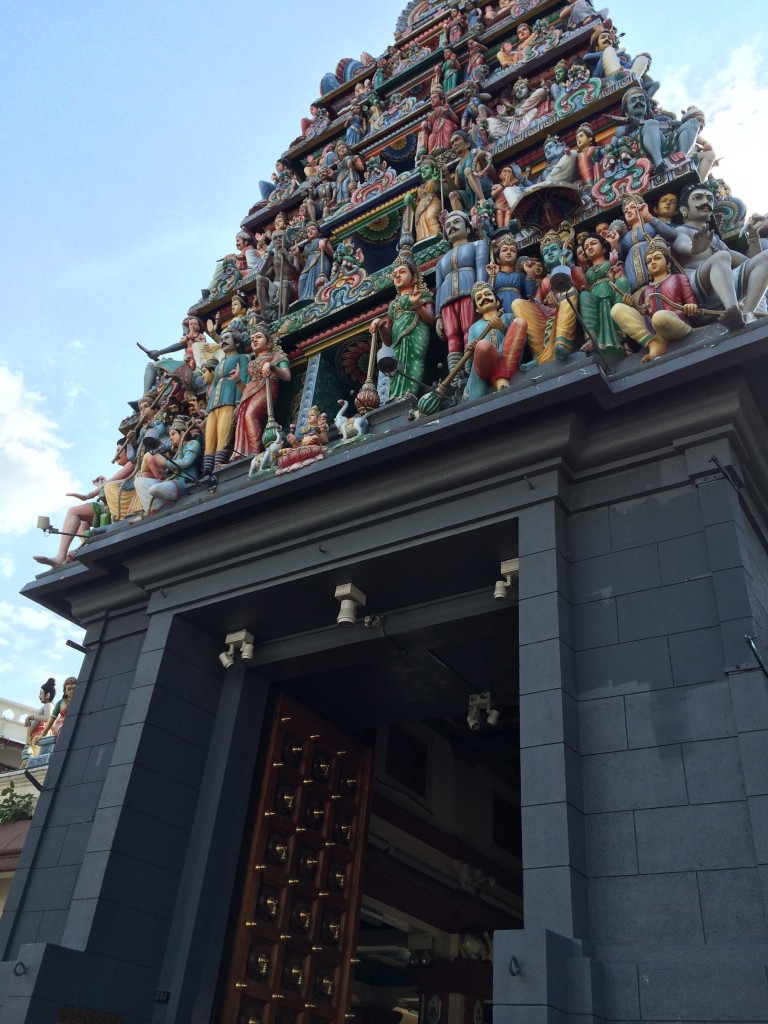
31	450
33	640
7	567
734	99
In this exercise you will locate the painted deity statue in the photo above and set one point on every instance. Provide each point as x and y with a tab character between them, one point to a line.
507	282
223	398
658	136
439	125
581	12
450	70
166	478
36	722
457	271
316	123
519	113
608	60
286	269
664	307
476	52
318	254
589	155
231	269
472	175
561	161
506	193
551	317
266	288
511	53
356	125
422	215
80	518
60	708
642	228
283	184
497	339
602	293
192	338
349	172
666	207
476	108
212	350
268	367
407	325
718	275
457	25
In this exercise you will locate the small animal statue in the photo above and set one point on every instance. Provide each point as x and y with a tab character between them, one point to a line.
262	461
350	426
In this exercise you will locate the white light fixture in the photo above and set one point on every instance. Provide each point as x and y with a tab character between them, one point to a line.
44	524
481	710
510	570
241	640
350	599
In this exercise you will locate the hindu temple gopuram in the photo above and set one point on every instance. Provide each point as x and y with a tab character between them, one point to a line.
426	672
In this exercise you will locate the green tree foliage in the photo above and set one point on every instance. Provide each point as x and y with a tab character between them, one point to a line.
15	807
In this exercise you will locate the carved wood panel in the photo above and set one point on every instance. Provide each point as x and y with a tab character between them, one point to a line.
296	930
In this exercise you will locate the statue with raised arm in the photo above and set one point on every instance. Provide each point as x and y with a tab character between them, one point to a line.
718	275
192	338
642	228
508	283
93	512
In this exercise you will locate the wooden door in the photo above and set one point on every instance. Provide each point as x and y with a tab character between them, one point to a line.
296	930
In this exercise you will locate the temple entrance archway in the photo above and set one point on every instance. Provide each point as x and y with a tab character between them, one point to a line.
391	919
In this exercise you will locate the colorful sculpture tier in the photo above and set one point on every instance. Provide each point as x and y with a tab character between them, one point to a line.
500	191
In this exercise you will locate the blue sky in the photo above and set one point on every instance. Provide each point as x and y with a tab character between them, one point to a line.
132	139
